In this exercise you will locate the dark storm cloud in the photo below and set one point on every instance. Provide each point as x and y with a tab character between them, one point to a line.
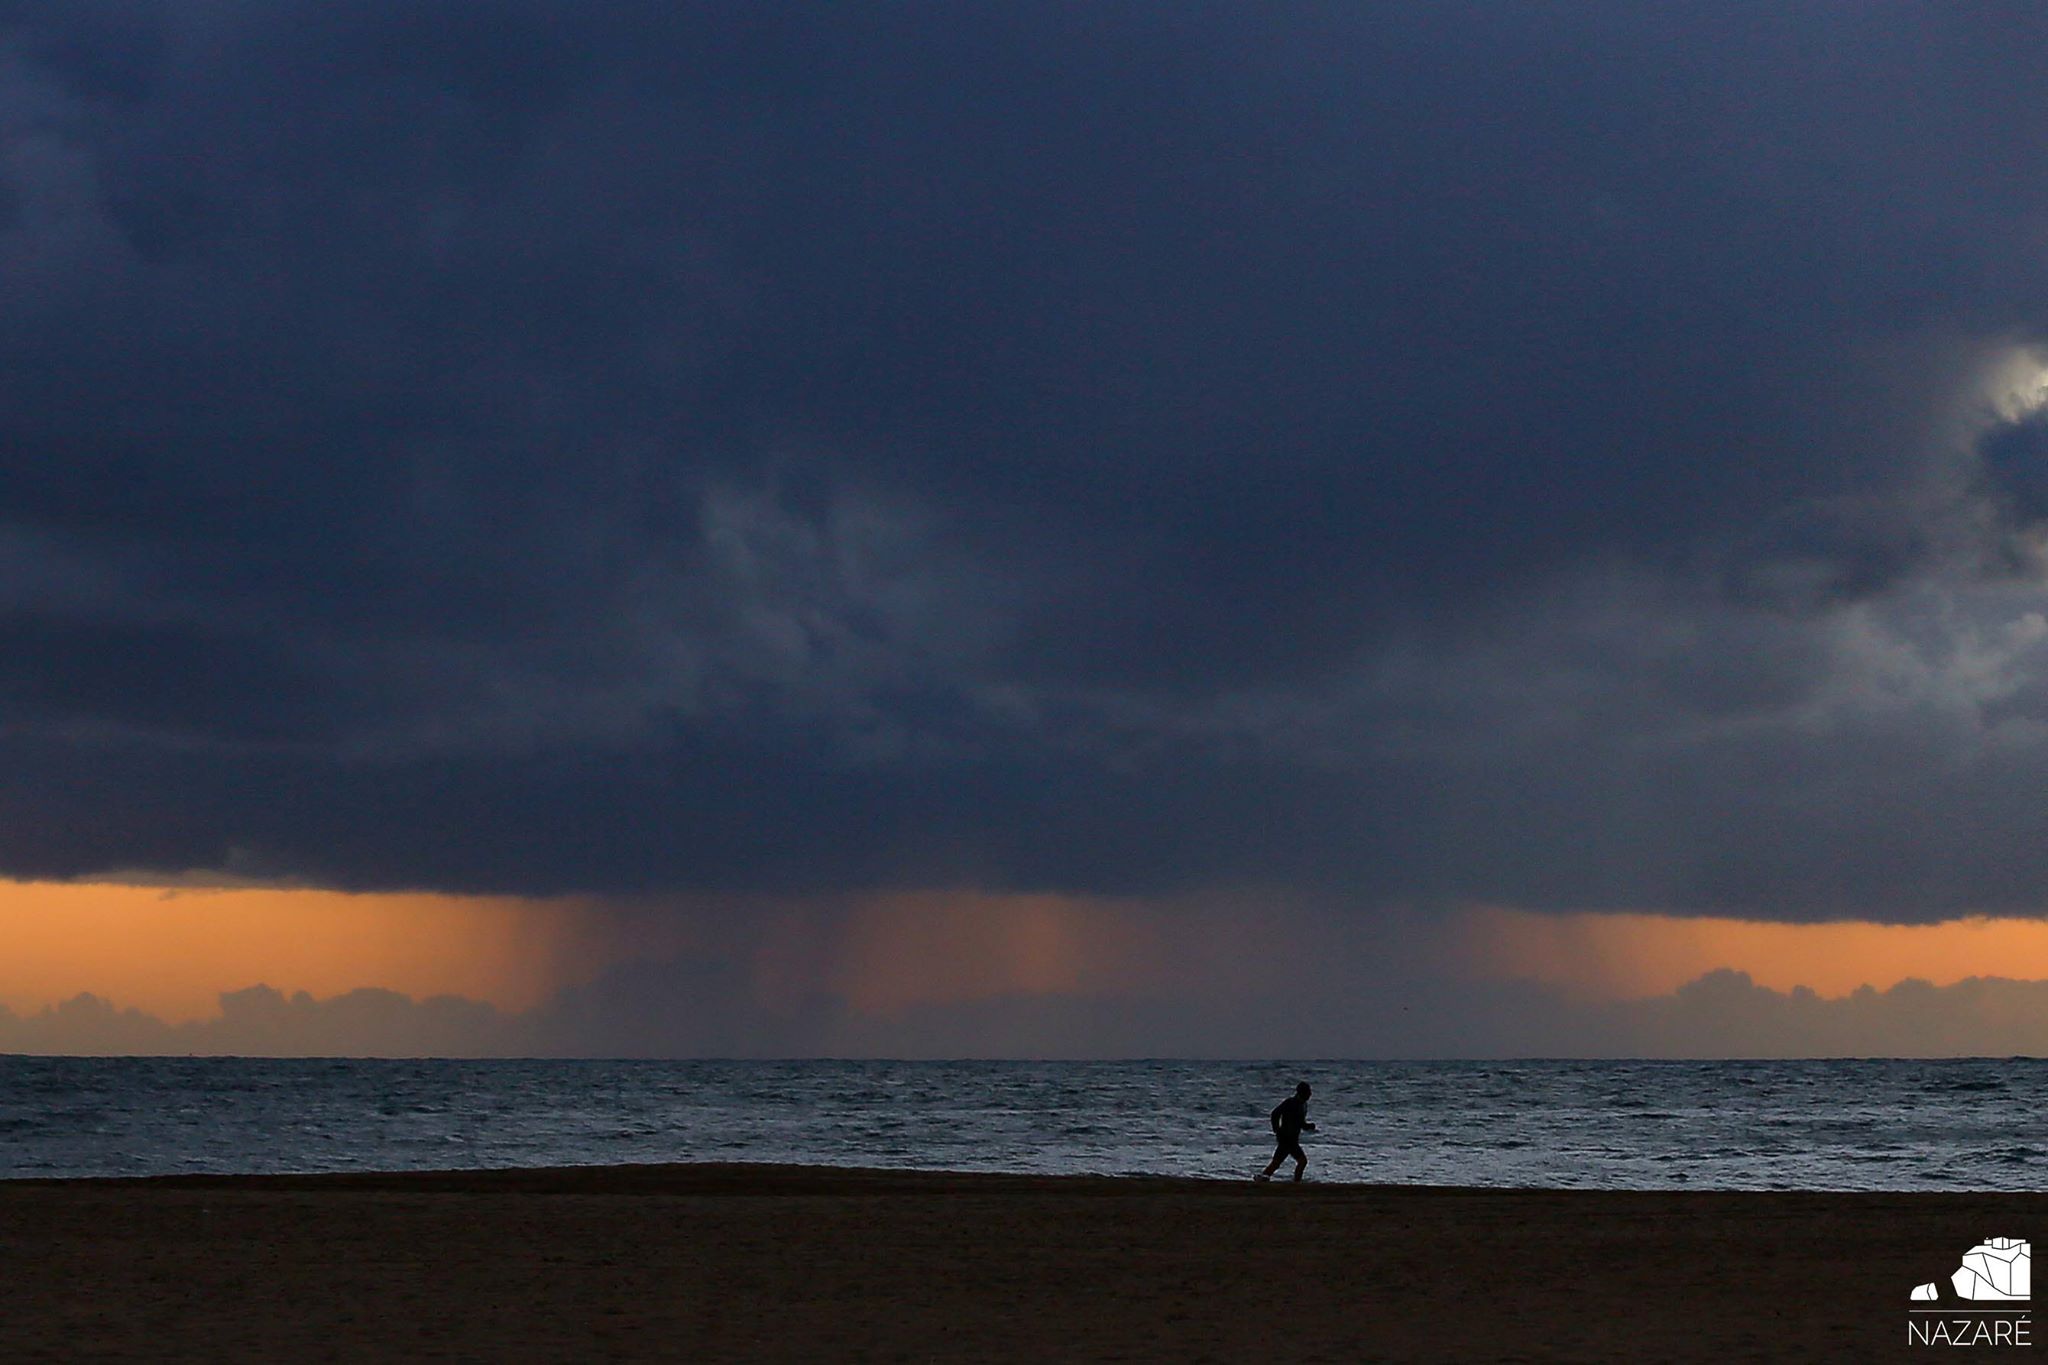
1423	453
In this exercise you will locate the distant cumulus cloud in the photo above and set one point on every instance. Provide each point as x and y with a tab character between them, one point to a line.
679	1009
1585	458
262	1022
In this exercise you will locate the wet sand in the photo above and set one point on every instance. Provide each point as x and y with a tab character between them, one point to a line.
718	1263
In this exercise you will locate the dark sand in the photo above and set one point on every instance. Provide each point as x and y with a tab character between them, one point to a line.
733	1263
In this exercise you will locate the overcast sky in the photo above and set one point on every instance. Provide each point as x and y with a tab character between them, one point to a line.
1565	457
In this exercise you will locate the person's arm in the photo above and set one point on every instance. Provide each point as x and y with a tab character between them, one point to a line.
1274	1117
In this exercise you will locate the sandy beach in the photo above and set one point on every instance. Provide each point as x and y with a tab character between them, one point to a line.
725	1263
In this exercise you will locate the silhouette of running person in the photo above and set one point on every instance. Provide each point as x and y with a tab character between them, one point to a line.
1290	1120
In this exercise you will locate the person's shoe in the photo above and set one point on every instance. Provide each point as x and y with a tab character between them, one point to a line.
1261	1178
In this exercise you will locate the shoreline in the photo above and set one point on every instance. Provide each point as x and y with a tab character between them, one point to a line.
742	1177
739	1261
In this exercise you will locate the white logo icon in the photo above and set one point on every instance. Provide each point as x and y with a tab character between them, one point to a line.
1998	1268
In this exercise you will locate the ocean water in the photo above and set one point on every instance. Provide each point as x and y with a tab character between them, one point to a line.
1847	1125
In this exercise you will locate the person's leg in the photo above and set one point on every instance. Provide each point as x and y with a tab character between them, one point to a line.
1300	1161
1274	1164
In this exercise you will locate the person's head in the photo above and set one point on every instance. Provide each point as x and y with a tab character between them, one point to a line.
1301	1091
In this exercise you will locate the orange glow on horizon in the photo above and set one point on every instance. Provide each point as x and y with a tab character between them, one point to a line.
172	951
1622	956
